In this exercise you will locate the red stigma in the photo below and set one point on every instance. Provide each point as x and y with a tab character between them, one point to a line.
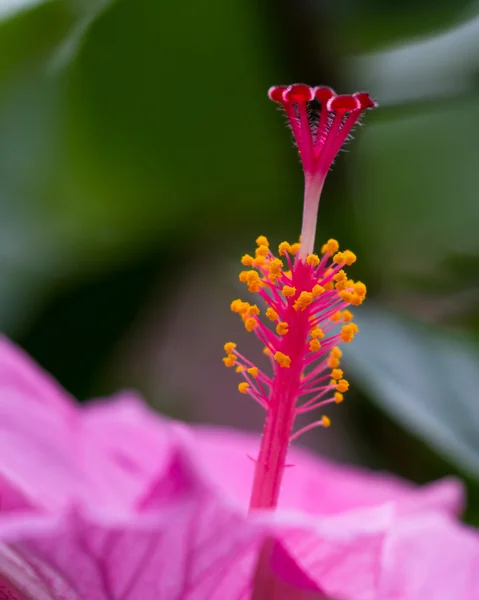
320	131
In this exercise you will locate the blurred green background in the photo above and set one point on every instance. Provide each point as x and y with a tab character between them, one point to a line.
140	157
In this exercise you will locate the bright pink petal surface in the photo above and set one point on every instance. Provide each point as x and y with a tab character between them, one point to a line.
20	374
279	577
315	485
173	502
48	446
430	556
52	452
48	461
135	438
379	554
187	546
198	548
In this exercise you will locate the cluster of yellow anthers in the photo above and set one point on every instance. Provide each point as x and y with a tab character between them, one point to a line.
310	297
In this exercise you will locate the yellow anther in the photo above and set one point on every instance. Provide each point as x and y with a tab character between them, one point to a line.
348	332
229	360
282	359
262	251
242	276
304	300
287	274
283	248
267	351
250	324
347	296
314	345
271	314
326	421
341	280
252	279
240	369
251	276
259	261
342	385
359	288
262	240
253	310
337	373
244	308
295	248
247	260
317	290
229	347
337	316
253	371
312	260
238	306
329	286
282	328
316	333
356	300
338	397
333	362
347	316
243	387
275	264
349	257
338	258
288	291
334	356
330	247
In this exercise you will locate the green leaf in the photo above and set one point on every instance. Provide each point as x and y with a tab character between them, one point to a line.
416	193
122	129
440	65
424	377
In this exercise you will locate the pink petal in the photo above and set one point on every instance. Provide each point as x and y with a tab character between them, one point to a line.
19	373
343	553
430	556
315	485
30	580
48	461
278	576
135	437
194	548
373	554
53	453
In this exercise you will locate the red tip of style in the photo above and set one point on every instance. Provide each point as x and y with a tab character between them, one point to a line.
319	131
323	94
275	93
365	100
299	92
345	103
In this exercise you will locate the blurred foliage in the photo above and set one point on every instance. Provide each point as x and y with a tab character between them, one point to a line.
424	376
136	139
